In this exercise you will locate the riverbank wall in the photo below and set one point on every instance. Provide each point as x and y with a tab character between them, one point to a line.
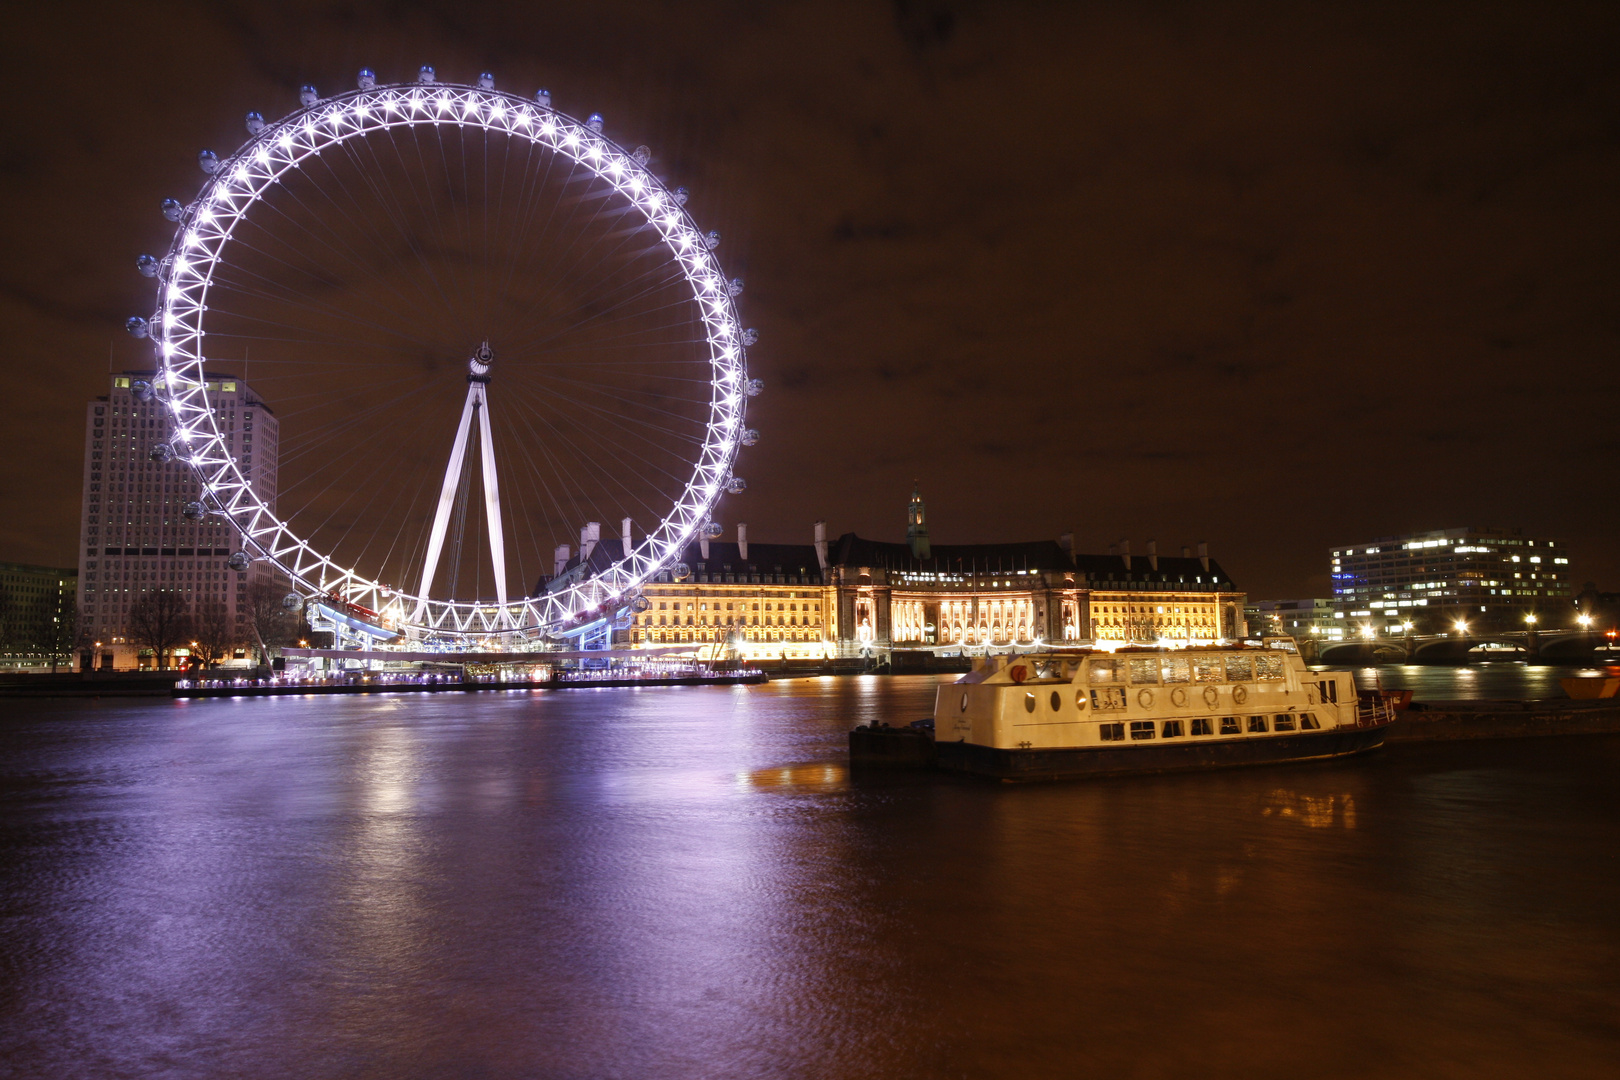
1442	721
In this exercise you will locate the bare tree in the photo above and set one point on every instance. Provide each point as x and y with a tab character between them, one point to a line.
212	634
273	625
160	621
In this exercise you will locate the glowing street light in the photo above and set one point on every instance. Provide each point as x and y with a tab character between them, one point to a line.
1531	618
1584	620
1462	626
1367	632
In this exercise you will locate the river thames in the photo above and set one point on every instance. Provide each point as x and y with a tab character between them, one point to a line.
689	883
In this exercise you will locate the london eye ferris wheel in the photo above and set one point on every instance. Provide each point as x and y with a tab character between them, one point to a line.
407	272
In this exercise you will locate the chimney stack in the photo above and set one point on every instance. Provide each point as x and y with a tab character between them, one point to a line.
742	541
588	536
1066	542
1186	552
703	549
624	536
1153	554
559	559
1125	551
821	545
1203	554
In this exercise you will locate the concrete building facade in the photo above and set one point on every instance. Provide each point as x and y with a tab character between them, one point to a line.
135	538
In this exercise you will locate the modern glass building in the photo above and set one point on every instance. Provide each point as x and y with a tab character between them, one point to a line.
1484	578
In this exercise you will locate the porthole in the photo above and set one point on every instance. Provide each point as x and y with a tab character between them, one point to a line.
1240	694
1144	698
964	701
1210	696
1057	701
1178	696
1029	702
1080	697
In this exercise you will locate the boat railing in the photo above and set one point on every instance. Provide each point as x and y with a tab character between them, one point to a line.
1374	710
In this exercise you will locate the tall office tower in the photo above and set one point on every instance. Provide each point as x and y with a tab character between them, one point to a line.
134	535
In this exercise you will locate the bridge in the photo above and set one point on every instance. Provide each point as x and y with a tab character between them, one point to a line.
1548	646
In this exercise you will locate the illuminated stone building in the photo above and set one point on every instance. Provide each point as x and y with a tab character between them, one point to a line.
975	596
856	597
752	601
134	535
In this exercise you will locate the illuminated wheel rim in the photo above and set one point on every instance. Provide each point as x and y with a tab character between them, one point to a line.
201	245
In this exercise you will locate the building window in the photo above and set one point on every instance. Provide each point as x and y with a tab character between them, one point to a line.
1257	723
1283	722
1111	732
1172	729
1231	726
1204	726
1307	722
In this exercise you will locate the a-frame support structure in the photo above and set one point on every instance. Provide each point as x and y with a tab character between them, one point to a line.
477	405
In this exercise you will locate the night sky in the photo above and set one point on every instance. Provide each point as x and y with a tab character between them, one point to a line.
1274	276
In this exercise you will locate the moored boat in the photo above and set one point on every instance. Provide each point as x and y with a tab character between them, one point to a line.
1088	713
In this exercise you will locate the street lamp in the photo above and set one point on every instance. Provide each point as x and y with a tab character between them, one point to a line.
1462	626
1585	621
1531	618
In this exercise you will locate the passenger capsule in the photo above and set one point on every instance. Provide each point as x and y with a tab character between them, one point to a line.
172	209
750	436
307	96
367	79
161	453
254	123
735	286
681	571
754	387
486	81
595	122
680	194
711	239
239	561
208	161
750	336
142	389
147	265
712	530
542	98
137	326
193	511
640	604
736	485
292	601
643	155
424	75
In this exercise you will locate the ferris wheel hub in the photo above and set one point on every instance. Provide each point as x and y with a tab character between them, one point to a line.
479	363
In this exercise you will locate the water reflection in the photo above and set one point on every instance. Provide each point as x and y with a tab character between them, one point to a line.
690	883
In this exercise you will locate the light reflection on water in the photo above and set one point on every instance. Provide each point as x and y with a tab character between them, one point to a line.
690	882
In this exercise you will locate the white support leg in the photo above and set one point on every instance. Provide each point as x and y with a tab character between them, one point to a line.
492	501
447	497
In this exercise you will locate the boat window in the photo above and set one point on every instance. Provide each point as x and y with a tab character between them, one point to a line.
1205	726
1206	669
1177	670
1268	668
1307	722
1172	729
1105	671
1110	697
1057	701
1029	702
1144	669
1141	729
1257	723
1239	669
1231	726
1111	732
1283	722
